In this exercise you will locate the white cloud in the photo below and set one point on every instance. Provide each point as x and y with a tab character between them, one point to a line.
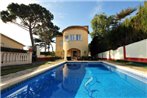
97	9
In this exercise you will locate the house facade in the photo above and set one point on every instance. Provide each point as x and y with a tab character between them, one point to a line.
12	52
9	42
73	42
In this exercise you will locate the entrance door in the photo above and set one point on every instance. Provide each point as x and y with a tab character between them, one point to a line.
74	53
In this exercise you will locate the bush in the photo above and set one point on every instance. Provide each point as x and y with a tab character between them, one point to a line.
54	58
48	53
85	58
88	58
48	58
68	58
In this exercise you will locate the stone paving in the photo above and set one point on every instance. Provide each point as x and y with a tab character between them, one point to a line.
138	68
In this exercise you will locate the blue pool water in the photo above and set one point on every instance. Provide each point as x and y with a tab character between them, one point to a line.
77	80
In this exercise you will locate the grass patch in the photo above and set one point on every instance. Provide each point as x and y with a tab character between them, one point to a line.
129	63
15	68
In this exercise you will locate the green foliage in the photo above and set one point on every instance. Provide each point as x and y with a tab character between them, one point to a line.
31	16
101	25
116	33
125	13
98	44
140	20
48	53
5	16
46	34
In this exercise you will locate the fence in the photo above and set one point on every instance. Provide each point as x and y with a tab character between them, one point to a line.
133	52
10	56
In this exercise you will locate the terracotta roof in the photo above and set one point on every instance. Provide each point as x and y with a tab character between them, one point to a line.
12	39
81	27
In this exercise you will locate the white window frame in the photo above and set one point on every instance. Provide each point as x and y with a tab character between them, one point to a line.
73	37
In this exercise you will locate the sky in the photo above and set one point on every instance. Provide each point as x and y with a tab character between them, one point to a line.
66	13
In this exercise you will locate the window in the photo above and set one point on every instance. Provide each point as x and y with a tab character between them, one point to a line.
72	37
66	38
78	37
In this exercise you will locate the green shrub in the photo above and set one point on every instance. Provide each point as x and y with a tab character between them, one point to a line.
48	53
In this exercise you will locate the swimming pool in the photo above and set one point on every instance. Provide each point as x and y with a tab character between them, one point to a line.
79	80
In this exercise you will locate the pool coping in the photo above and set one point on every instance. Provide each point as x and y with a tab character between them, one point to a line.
39	71
141	76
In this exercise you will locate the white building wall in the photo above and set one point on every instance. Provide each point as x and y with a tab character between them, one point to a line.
100	55
14	58
118	53
111	54
137	50
106	54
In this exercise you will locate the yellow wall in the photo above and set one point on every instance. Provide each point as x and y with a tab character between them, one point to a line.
59	46
82	45
10	43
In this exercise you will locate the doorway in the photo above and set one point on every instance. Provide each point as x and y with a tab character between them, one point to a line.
74	53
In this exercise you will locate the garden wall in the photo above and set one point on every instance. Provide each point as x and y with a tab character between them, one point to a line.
12	56
133	52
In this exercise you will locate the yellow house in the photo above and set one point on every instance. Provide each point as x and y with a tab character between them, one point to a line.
12	52
9	42
73	42
59	46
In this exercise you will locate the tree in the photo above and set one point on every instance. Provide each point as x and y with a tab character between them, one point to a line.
30	16
46	34
125	13
108	31
97	45
93	46
130	30
140	20
100	25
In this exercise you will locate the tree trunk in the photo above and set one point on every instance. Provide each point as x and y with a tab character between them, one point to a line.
31	37
45	48
51	47
48	47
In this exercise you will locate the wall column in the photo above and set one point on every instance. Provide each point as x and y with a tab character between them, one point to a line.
124	52
109	54
65	55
